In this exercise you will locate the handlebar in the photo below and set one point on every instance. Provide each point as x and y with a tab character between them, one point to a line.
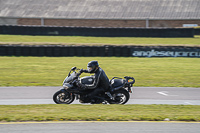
127	78
81	71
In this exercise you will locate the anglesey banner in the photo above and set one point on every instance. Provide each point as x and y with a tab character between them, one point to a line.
166	53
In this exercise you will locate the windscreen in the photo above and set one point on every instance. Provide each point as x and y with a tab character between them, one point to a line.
70	78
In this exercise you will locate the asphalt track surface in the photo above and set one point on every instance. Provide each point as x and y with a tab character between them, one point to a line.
101	127
140	95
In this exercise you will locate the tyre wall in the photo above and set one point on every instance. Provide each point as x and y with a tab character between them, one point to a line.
102	51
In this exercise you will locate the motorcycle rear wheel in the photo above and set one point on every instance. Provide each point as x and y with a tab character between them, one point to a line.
63	98
120	97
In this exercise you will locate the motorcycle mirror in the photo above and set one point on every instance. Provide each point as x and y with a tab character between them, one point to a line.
73	68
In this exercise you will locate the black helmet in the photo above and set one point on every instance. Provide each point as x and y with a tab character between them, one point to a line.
92	66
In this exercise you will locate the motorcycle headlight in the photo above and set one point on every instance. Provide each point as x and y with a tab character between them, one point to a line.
67	85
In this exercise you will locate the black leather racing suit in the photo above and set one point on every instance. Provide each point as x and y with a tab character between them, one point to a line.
100	84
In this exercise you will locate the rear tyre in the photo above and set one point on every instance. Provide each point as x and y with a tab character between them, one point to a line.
63	98
120	97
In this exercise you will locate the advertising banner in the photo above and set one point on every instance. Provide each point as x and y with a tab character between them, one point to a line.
178	52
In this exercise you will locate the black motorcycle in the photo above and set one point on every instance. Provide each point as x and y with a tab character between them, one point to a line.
118	92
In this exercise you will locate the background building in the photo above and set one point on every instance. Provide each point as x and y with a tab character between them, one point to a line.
101	13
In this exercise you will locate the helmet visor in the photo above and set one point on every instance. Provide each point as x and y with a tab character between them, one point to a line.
89	69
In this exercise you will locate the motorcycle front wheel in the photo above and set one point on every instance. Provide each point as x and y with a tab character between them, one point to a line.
120	97
63	98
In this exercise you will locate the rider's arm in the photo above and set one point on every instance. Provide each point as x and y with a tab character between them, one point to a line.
95	83
84	70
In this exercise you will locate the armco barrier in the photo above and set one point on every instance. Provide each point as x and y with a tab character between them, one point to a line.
98	32
103	51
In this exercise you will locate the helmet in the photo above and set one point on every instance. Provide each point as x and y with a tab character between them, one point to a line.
92	66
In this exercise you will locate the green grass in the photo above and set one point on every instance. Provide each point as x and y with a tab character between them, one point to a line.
10	113
76	40
51	71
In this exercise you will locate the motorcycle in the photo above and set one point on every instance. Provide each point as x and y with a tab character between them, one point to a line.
118	92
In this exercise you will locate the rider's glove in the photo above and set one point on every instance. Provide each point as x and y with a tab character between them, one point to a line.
81	71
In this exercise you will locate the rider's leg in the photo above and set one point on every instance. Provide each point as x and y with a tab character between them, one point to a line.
93	94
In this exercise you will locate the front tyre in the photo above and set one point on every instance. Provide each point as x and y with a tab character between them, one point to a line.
120	97
61	97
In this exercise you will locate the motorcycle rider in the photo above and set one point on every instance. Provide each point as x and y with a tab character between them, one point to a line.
101	81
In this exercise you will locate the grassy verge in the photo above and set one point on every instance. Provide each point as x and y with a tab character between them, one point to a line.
99	113
51	71
77	40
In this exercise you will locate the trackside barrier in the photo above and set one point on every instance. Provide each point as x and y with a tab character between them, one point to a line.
197	31
98	32
102	51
